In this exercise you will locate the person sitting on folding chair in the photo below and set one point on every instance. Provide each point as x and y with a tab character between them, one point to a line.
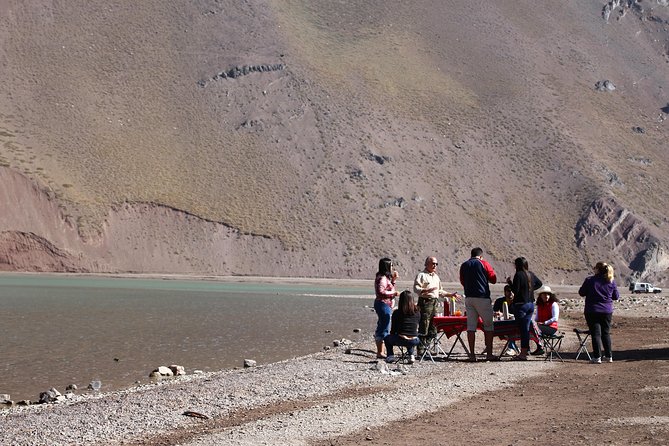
546	315
403	327
498	309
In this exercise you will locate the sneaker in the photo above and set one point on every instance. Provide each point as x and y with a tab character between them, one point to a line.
596	361
412	359
607	358
390	358
538	352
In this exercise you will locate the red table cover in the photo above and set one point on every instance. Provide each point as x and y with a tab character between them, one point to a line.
452	325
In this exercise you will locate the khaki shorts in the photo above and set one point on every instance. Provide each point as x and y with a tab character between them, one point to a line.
479	307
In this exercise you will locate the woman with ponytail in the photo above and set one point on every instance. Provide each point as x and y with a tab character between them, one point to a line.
600	291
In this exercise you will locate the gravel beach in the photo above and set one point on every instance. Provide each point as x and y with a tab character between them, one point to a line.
306	400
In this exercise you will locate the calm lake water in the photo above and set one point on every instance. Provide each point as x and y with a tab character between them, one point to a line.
62	330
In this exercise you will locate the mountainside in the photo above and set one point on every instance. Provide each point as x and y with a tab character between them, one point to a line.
310	138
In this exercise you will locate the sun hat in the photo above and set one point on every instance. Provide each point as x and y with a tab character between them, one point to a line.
544	289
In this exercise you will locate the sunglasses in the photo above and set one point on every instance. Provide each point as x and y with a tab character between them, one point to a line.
434	263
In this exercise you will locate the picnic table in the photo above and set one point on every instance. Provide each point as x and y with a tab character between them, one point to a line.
506	330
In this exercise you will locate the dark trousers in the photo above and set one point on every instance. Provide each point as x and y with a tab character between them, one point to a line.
395	339
599	325
547	330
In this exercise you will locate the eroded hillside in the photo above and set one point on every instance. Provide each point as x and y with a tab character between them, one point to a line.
317	136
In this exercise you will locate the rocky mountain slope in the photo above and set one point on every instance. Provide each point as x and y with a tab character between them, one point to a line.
310	138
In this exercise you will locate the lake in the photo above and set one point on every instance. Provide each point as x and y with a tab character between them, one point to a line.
59	330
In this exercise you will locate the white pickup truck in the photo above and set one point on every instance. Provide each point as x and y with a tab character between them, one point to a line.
641	287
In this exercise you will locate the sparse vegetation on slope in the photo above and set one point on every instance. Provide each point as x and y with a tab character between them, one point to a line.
391	128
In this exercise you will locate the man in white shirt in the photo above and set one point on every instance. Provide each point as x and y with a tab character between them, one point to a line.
427	286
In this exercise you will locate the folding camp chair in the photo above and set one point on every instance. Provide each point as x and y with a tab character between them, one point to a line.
404	357
430	347
401	356
583	336
552	344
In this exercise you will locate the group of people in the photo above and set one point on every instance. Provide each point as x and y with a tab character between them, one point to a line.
410	325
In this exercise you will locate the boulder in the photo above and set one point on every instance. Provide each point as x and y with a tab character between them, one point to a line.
381	366
50	396
71	388
95	385
6	399
605	85
250	363
162	371
177	370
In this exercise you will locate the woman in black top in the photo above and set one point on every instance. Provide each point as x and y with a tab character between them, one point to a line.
523	285
404	327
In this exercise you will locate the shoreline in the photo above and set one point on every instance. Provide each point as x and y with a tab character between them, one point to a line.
209	277
304	400
335	282
75	336
339	390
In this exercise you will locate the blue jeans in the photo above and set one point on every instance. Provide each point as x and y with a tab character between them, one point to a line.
523	314
395	339
384	312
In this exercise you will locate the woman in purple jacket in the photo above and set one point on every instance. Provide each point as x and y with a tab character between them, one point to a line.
600	291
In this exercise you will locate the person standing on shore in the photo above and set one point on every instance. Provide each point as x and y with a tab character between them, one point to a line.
523	285
428	287
475	275
384	287
600	291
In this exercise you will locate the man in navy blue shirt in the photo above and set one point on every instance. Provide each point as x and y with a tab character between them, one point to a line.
475	275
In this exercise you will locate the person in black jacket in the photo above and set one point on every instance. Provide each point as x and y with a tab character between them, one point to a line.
404	327
523	285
